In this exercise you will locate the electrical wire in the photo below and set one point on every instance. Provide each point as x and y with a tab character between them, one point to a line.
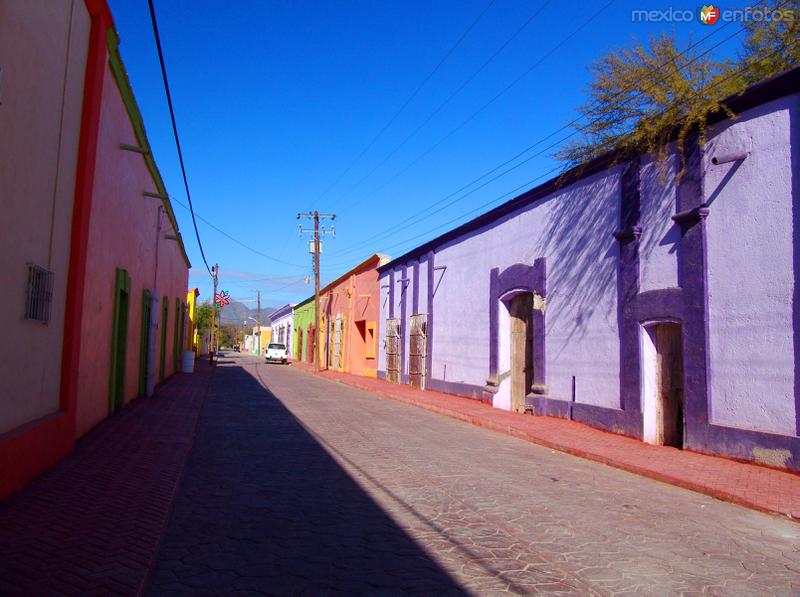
449	98
175	129
414	219
483	107
409	99
237	241
480	207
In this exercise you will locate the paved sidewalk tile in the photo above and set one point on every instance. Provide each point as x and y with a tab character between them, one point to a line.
92	523
758	487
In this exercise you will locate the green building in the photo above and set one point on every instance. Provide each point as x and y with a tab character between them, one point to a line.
303	330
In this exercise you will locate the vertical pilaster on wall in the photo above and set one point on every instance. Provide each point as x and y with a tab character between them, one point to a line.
692	278
795	143
96	60
539	383
429	339
403	313
628	287
492	381
391	294
415	299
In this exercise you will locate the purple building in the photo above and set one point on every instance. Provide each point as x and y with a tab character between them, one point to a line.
281	322
624	298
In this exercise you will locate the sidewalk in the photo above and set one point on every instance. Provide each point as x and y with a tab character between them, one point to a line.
92	524
750	485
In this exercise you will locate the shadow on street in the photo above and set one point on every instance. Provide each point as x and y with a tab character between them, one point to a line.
264	507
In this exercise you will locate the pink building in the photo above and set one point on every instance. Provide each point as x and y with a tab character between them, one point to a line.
94	269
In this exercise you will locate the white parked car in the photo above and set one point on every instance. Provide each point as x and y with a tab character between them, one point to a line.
277	353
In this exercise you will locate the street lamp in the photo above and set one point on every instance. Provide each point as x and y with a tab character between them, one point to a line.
258	334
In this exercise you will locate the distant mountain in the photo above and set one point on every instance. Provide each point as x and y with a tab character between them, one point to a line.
237	312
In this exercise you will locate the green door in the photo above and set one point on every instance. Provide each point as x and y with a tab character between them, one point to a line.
176	337
163	358
119	340
144	341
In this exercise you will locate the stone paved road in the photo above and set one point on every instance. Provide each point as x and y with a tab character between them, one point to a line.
300	485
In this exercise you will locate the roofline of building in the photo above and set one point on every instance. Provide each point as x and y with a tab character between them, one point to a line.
134	114
378	257
281	311
766	91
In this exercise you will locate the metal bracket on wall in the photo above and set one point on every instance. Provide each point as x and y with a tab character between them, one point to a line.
134	148
438	268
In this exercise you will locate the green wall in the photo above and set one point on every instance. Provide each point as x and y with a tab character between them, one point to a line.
303	317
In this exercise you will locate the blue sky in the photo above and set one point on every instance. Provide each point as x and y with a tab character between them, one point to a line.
283	106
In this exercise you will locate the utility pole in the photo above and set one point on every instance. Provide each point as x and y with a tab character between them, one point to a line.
316	246
214	274
258	321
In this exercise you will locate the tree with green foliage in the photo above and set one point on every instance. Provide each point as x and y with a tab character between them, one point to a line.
643	98
772	46
228	335
204	316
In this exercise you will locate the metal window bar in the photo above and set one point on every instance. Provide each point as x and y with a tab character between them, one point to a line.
39	294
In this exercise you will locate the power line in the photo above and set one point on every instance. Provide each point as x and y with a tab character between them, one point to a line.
497	96
415	218
236	240
485	205
409	99
449	98
175	128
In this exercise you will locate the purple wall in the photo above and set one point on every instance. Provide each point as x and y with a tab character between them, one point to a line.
625	247
750	270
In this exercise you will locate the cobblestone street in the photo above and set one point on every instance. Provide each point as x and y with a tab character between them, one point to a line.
297	484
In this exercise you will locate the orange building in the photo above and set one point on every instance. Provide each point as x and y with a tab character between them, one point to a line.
349	310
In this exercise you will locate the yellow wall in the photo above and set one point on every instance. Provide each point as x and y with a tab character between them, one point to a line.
191	332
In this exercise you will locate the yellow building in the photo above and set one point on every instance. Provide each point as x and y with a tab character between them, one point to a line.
191	331
259	347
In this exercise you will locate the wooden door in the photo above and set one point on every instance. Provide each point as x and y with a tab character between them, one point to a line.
299	355
337	343
521	311
417	351
669	385
393	350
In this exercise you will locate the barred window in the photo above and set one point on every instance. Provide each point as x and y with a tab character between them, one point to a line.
39	294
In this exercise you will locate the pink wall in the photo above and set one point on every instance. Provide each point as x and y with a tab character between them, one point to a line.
44	48
122	235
